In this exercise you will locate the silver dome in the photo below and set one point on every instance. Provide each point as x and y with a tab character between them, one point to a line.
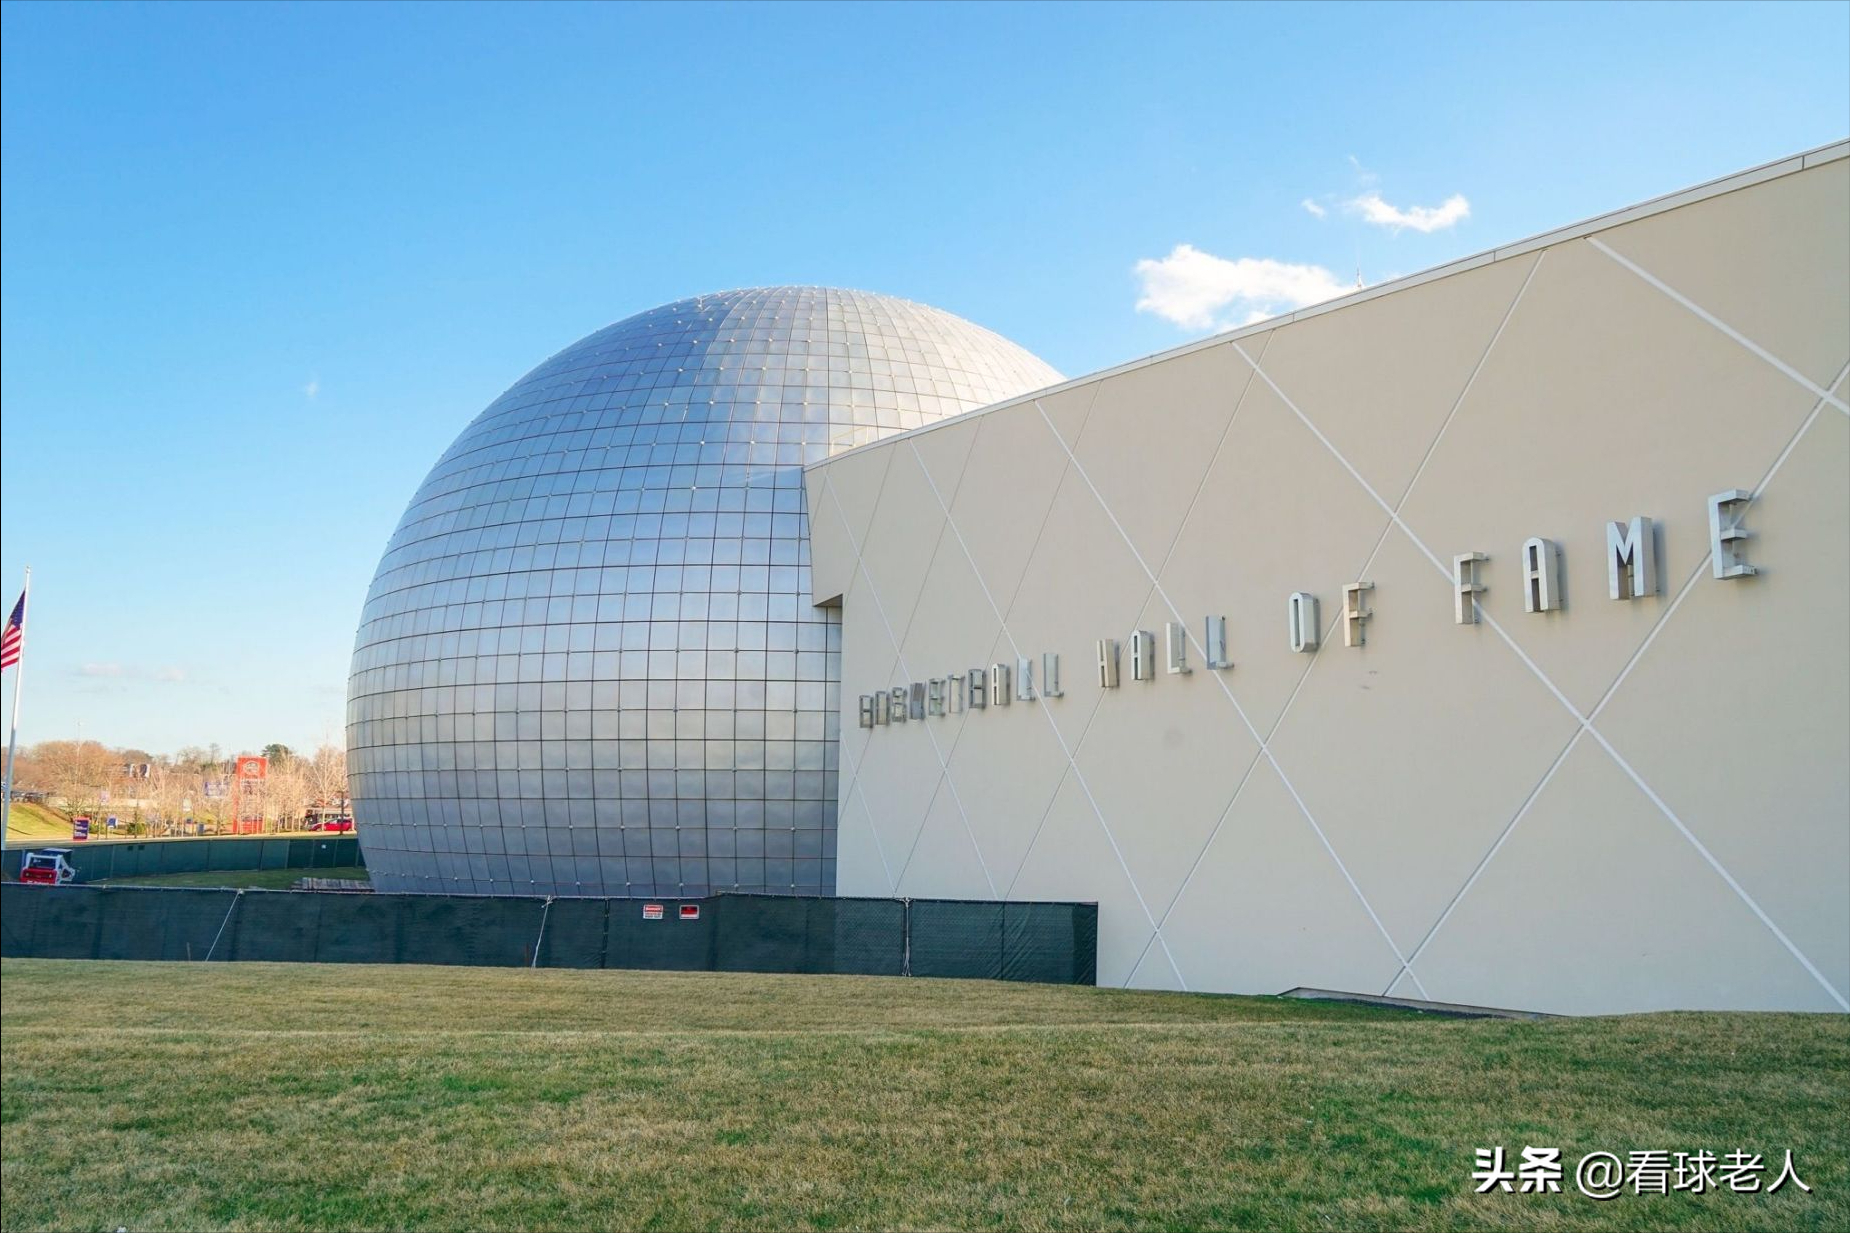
588	663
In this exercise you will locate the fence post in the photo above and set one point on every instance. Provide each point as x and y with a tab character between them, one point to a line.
236	896
905	934
1002	943
541	935
319	904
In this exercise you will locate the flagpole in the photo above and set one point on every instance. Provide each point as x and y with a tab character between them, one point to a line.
12	738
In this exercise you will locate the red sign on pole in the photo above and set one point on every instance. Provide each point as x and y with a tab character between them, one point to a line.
651	911
251	772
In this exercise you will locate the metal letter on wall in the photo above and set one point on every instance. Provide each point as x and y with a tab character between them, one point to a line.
1175	642
1214	643
934	696
1541	575
1631	559
1024	679
916	703
1302	621
1107	663
1465	585
881	710
1143	656
979	689
999	684
1355	616
898	697
1726	534
867	710
1050	675
955	685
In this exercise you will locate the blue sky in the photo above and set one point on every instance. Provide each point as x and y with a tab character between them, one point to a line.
261	263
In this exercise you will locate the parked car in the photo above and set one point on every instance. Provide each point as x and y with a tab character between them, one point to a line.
47	867
342	825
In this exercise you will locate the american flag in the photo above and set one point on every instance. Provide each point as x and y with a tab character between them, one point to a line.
15	636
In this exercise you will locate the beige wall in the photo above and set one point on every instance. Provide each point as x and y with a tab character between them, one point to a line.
1622	805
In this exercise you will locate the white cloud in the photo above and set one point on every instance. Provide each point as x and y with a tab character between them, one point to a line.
1193	288
174	675
1452	211
313	387
94	669
1315	210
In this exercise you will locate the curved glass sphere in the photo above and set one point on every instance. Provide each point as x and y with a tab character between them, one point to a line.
588	663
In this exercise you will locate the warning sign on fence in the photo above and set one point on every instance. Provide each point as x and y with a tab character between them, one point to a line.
651	911
690	911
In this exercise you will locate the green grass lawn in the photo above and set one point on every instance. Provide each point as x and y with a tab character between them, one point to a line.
263	879
30	823
247	1096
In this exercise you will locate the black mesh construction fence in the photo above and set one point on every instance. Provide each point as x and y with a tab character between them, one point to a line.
1054	943
1003	941
129	859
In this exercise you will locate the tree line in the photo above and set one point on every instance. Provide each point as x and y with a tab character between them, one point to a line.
163	793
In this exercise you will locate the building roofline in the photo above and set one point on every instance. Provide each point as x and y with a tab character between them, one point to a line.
1802	161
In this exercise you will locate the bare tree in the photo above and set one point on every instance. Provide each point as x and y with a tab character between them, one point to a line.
79	772
221	809
285	793
327	777
29	773
174	789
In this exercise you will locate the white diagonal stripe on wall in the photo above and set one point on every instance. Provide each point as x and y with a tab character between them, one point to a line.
1721	325
1324	634
1002	625
1202	485
853	782
898	640
1078	744
1586	726
1071	765
943	767
1704	564
1085	727
1496	846
1264	751
1002	610
944	773
1324	640
1464	393
886	866
1583	720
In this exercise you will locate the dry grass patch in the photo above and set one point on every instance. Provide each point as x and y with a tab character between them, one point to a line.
28	823
309	1097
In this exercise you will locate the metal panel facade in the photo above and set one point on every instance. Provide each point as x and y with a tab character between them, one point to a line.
588	663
